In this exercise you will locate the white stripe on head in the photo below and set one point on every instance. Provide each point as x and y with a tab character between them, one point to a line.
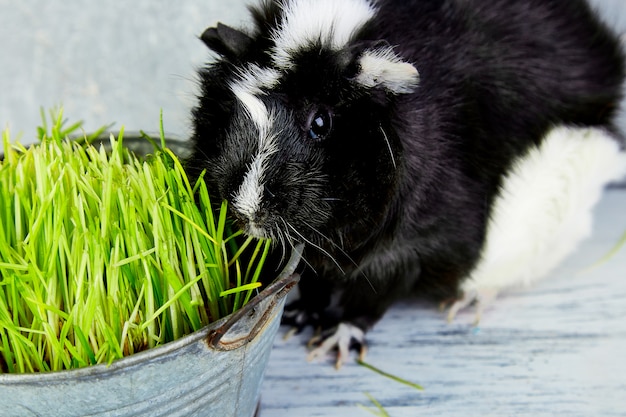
331	22
248	199
247	89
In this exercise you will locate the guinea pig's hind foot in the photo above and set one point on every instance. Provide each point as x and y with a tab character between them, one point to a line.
479	298
342	338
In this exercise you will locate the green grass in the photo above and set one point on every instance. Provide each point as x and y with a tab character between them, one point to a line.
390	376
103	254
380	410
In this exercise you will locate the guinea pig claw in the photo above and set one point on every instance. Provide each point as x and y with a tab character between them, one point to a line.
480	298
341	339
291	332
459	305
363	351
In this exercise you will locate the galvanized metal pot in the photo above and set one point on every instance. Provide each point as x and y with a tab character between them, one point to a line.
216	371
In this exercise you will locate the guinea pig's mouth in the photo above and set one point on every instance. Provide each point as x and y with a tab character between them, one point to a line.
254	230
267	226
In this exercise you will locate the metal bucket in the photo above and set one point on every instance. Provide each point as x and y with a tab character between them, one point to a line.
216	371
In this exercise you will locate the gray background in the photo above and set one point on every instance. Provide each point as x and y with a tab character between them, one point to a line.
118	61
106	61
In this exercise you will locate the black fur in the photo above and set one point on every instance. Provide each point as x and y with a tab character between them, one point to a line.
495	75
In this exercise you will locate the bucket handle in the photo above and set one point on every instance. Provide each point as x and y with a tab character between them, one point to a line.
243	325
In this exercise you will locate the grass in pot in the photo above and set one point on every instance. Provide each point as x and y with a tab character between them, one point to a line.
104	254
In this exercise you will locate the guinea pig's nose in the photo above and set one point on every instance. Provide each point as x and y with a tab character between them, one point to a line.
252	223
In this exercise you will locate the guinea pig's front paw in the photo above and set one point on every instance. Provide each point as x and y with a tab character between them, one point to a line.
298	318
479	298
342	338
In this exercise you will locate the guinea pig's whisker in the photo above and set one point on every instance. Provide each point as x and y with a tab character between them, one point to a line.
285	239
393	160
335	245
318	247
280	241
290	239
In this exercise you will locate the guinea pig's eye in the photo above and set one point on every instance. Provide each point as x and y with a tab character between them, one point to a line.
319	124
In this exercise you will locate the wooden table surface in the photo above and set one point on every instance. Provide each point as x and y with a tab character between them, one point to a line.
555	349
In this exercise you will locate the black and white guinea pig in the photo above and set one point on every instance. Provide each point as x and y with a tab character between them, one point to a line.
453	147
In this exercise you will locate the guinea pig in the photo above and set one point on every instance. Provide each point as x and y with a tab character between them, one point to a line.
452	148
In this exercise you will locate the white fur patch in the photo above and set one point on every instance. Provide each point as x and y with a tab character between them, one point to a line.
383	67
332	23
250	85
545	207
248	199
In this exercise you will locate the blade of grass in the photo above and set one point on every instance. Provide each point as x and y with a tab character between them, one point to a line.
241	288
380	410
390	376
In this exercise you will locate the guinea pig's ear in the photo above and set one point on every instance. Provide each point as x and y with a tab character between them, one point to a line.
381	67
226	41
